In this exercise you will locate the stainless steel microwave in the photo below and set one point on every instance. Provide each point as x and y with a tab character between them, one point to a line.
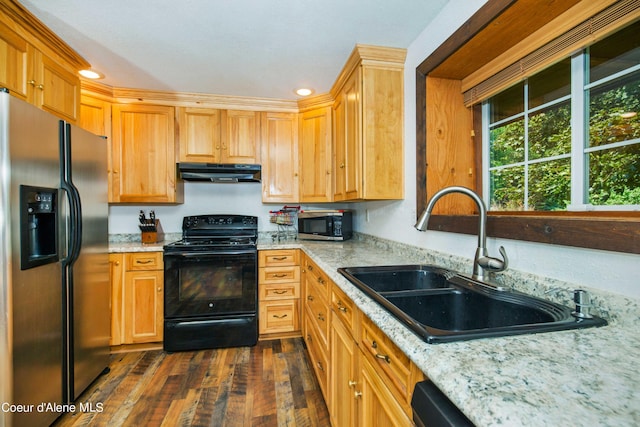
325	224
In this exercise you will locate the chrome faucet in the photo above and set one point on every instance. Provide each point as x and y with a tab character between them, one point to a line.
483	264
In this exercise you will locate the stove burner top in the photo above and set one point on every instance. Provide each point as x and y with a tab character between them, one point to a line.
206	232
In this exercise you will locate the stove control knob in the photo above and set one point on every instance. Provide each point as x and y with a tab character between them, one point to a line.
229	220
210	305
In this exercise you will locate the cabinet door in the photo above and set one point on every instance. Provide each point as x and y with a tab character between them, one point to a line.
116	264
382	152
279	157
199	134
316	160
378	408
55	89
14	58
343	382
339	149
348	157
241	136
144	154
95	116
143	306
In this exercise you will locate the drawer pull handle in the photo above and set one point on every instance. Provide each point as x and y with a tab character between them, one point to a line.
319	365
279	258
379	355
309	338
309	267
310	297
321	317
341	307
280	317
146	261
280	291
279	275
321	280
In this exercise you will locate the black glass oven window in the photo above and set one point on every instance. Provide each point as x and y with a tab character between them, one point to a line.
202	282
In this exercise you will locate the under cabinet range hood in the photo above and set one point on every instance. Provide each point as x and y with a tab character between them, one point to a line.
219	172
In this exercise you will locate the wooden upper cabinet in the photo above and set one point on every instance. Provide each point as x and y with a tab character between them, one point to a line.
95	116
241	136
199	135
54	88
14	58
47	81
368	125
144	168
279	157
316	161
218	136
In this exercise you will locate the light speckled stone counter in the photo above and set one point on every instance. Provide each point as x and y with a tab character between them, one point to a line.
584	377
131	243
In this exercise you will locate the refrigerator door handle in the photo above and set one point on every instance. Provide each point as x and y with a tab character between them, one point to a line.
73	195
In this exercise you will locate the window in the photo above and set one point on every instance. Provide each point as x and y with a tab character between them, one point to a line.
568	137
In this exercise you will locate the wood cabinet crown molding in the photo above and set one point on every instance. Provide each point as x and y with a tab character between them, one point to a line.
45	39
388	57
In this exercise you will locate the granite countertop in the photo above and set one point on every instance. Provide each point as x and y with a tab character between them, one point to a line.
579	377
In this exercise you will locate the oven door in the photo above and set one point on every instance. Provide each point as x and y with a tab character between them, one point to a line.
205	284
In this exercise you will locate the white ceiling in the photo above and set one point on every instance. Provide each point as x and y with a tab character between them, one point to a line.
257	48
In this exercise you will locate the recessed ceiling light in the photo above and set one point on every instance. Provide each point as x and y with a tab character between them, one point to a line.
303	91
91	74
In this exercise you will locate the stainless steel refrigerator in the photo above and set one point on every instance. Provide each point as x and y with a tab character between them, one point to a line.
54	282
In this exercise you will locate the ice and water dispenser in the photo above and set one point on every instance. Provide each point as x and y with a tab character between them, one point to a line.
38	226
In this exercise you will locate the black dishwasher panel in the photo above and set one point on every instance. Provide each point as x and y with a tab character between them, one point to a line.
431	408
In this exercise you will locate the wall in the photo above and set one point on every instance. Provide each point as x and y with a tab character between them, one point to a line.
609	271
203	198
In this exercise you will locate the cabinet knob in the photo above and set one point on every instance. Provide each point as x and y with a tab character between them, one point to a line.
341	165
32	82
357	394
159	289
40	86
352	383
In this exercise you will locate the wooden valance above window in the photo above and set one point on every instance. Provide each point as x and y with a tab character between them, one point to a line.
579	27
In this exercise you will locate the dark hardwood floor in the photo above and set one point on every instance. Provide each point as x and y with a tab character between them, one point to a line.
271	384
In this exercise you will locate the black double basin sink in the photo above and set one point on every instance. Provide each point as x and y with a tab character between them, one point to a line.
443	306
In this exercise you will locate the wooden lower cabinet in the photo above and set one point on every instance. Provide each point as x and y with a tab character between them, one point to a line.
377	405
364	384
279	293
137	298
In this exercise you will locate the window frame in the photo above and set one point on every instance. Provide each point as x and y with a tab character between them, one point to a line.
617	231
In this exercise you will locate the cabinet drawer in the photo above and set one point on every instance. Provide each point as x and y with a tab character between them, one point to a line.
279	274
317	312
279	316
144	261
317	280
272	258
390	362
278	291
345	310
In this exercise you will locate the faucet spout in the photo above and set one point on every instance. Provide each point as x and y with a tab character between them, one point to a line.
483	263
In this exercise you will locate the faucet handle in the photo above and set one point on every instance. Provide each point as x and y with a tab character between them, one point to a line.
494	264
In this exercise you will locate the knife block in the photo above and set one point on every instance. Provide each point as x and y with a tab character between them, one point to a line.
153	236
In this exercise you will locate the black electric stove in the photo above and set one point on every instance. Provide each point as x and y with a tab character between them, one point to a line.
211	290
